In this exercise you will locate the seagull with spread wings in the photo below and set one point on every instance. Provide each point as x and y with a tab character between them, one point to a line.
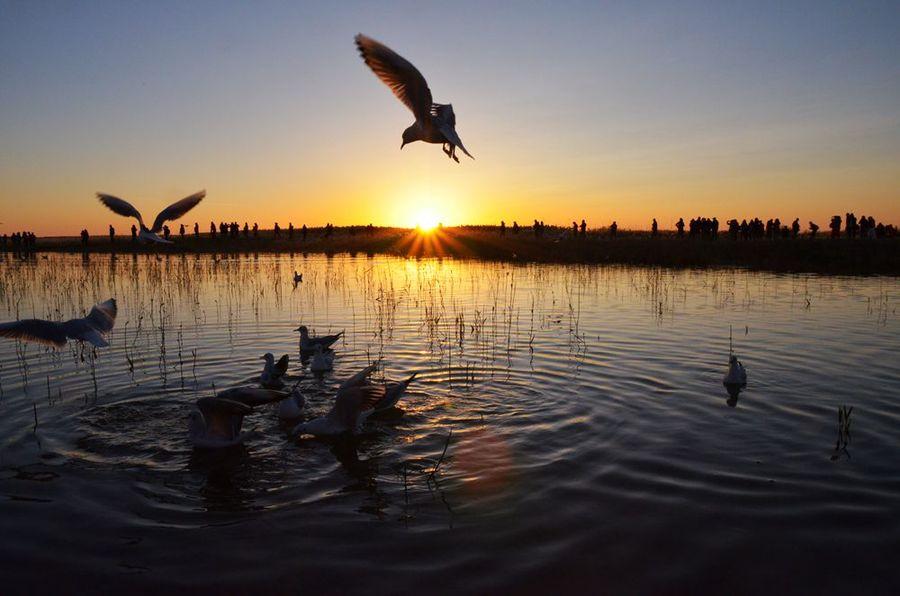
435	122
216	421
170	213
356	400
92	328
273	371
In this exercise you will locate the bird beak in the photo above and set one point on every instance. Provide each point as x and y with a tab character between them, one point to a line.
297	329
402	144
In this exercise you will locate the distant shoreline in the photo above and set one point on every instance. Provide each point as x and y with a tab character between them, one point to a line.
803	254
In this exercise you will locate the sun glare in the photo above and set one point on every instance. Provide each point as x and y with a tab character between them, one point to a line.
426	219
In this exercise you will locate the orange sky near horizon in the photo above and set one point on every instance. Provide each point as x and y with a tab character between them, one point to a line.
604	113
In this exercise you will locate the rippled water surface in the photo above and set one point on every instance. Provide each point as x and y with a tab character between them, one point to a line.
593	446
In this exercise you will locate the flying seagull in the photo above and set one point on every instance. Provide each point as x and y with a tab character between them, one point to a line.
170	213
355	401
308	344
216	421
92	328
435	122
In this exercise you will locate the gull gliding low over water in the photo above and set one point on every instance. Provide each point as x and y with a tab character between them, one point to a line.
170	213
356	400
92	328
435	122
216	421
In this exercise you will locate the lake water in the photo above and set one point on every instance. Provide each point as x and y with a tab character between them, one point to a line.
593	447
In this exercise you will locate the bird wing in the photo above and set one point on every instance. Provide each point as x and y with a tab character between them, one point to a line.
103	316
120	207
398	73
176	210
224	417
281	366
353	401
95	338
251	396
327	340
446	121
45	332
359	378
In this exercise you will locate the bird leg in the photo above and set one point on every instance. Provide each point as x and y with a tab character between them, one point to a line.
453	153
445	148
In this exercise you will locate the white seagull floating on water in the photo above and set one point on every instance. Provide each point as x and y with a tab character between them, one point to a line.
435	122
292	407
216	422
322	361
92	328
736	377
170	213
308	343
273	371
355	401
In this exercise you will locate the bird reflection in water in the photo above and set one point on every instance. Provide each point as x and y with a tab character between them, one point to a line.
229	481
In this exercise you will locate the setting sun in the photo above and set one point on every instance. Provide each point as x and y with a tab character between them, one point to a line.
426	219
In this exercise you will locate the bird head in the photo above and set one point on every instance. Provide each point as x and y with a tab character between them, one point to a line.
268	357
302	329
409	135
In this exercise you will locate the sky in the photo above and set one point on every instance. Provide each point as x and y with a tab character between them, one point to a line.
606	111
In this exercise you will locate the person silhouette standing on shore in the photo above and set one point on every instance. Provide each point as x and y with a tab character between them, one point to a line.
583	228
181	231
502	228
133	233
196	230
835	226
574	230
613	228
290	230
166	232
654	228
515	227
680	227
303	231
112	234
813	228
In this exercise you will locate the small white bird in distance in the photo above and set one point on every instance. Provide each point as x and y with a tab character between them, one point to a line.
355	401
298	277
273	371
92	328
170	213
216	421
435	122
